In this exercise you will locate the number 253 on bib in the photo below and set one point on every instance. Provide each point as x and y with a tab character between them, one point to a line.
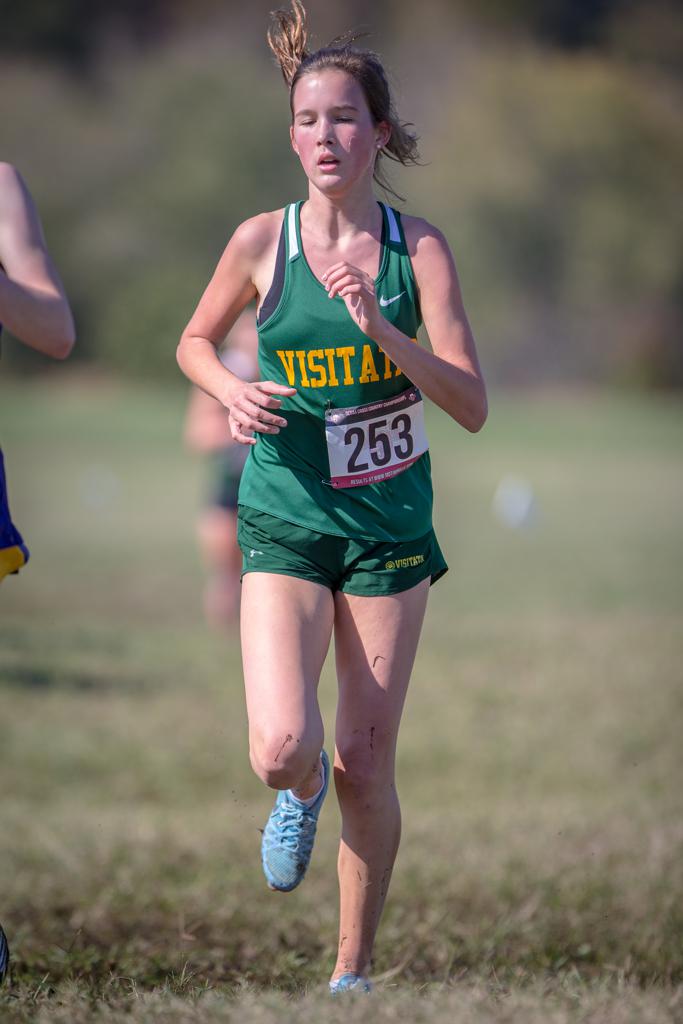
373	442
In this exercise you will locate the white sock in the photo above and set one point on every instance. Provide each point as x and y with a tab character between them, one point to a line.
310	800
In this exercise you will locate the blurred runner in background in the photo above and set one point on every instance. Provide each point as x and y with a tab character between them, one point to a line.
34	307
207	431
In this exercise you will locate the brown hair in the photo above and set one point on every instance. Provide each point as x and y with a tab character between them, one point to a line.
287	38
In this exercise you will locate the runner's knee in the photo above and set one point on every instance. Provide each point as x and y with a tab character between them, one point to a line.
367	764
283	758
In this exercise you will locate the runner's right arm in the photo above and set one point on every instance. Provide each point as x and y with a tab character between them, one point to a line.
231	288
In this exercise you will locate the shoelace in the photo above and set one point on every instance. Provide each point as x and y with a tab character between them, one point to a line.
296	830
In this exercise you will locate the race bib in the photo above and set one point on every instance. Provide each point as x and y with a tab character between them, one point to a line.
369	443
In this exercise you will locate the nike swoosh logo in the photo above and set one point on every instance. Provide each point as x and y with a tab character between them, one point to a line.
387	302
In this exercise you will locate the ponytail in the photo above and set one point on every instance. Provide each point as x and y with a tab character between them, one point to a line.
287	37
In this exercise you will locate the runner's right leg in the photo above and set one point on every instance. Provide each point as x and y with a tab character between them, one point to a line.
286	626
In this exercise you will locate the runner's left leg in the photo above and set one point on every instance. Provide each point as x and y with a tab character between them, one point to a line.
375	642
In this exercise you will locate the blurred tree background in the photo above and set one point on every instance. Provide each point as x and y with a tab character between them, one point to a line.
552	144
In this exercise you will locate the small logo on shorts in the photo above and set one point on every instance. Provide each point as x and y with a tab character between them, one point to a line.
405	563
254	552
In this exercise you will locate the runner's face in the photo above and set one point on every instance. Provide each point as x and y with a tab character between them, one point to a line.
332	131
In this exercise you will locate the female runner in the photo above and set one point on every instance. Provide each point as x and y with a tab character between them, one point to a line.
336	498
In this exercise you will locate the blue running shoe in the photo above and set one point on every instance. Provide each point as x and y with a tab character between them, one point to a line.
287	841
350	983
4	955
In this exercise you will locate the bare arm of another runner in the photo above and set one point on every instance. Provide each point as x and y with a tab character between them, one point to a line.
33	305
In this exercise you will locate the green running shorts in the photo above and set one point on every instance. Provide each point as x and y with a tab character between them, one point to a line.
366	568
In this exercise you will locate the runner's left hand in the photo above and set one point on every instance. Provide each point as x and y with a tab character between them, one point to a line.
357	289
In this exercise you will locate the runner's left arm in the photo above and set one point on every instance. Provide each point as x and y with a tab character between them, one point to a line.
450	374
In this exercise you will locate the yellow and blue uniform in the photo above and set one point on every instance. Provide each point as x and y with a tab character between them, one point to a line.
13	551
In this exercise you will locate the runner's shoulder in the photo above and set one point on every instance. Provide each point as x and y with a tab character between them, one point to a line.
257	235
422	238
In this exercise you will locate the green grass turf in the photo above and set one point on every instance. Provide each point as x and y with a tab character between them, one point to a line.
540	877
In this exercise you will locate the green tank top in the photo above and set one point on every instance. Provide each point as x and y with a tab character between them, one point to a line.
310	342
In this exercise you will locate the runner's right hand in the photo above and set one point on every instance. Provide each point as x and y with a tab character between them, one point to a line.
248	405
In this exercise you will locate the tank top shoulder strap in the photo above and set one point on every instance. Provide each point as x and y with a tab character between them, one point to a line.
399	264
291	226
394	230
394	237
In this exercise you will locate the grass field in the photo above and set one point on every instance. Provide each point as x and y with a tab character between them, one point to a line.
540	877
